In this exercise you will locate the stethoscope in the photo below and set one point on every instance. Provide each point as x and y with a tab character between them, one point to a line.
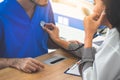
42	23
2	3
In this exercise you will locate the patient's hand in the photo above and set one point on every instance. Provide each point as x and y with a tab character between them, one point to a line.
28	65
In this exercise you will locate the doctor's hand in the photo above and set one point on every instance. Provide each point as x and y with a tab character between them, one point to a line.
28	65
52	30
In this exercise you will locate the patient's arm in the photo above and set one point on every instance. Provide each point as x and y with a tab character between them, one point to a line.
28	65
73	46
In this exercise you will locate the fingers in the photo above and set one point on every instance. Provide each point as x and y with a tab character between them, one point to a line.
29	69
30	65
54	32
38	63
95	19
49	26
33	67
85	19
94	16
47	30
26	70
101	19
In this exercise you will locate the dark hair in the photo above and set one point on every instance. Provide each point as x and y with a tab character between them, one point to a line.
113	12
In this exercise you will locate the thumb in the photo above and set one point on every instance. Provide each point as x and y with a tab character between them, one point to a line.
102	16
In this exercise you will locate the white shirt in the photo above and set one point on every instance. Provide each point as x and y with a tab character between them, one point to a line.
107	59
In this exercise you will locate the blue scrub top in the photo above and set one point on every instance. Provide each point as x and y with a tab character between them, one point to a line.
21	36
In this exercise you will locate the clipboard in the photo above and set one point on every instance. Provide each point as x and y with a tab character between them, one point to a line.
73	70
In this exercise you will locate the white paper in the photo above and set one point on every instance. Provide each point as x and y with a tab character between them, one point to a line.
74	70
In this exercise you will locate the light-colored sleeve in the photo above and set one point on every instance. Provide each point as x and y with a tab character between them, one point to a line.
106	65
88	57
104	69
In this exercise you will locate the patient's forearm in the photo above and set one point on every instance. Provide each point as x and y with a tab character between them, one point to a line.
7	62
4	63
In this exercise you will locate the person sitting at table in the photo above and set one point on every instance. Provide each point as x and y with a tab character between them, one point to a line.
21	36
101	64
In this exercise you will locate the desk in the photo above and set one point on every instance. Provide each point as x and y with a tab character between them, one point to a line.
51	72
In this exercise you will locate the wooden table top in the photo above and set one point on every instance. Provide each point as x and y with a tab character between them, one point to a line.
51	72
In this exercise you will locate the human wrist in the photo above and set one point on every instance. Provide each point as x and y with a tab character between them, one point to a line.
3	63
88	41
62	43
88	44
57	40
88	37
89	34
12	62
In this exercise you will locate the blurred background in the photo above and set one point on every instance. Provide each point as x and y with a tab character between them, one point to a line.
71	12
69	15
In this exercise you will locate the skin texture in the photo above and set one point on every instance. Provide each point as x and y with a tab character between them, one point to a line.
90	31
30	7
54	34
92	22
41	2
28	65
98	9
